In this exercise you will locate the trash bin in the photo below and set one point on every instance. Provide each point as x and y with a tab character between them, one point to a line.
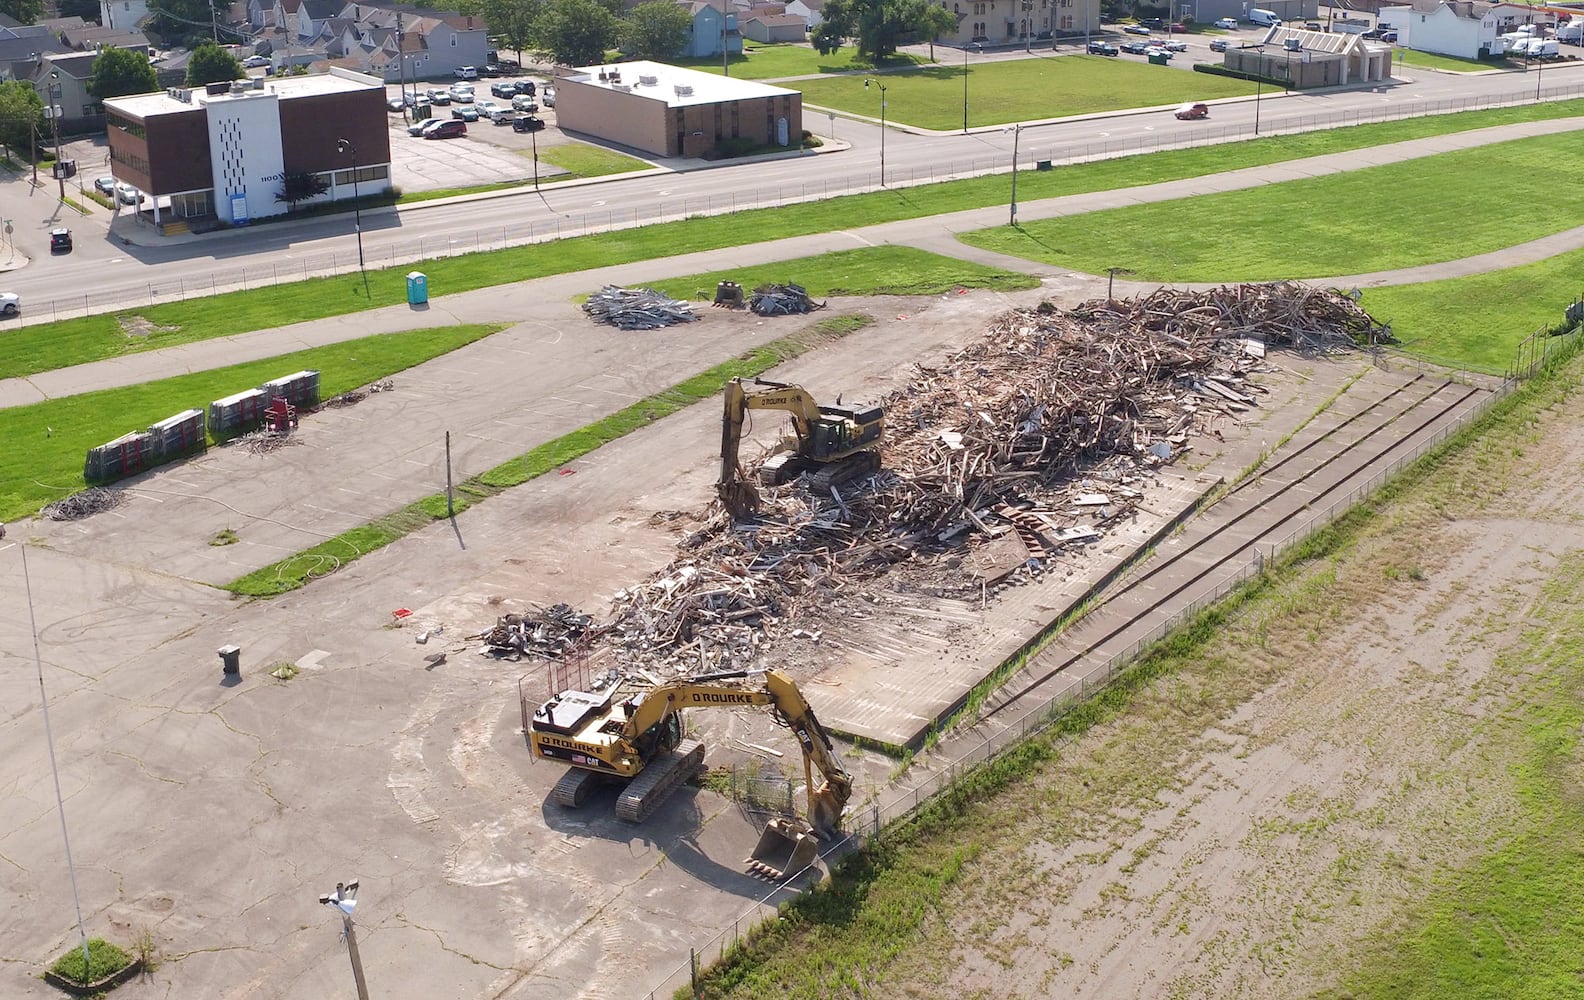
1042	165
1159	59
231	660
417	288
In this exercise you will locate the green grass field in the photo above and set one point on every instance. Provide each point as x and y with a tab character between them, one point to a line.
1382	218
1433	60
42	347
769	62
1018	90
887	270
47	442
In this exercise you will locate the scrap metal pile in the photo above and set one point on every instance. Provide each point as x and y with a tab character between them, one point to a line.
93	500
782	300
637	308
1043	433
550	634
354	396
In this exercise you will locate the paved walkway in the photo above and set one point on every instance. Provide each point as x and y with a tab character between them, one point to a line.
543	300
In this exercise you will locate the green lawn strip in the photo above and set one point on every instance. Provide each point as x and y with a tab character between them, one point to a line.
838	938
46	346
1019	90
46	442
1381	218
1477	322
1456	64
885	270
761	61
580	160
295	571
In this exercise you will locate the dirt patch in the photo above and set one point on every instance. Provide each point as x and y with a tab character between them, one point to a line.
138	327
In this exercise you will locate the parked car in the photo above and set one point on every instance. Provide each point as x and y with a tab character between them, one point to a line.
465	113
522	102
505	119
527	123
504	88
127	194
10	303
1156	52
547	96
1136	48
1152	22
1313	26
423	128
395	104
491	110
510	64
447	130
439	98
525	87
1175	45
1389	36
1218	45
1179	28
462	93
467	72
255	62
1193	111
60	241
1135	29
1227	23
105	186
1101	49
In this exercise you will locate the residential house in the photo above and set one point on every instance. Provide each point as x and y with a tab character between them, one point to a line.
123	15
80	110
1459	28
21	49
774	28
1013	22
811	11
714	24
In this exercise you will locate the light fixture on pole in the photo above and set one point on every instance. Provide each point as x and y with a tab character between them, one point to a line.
345	899
977	48
343	146
882	126
1259	85
1017	133
54	112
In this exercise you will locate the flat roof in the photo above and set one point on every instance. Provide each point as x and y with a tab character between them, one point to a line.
337	81
674	86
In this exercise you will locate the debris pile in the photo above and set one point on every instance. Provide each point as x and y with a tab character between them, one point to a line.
782	300
264	440
354	396
1038	438
637	308
94	500
548	635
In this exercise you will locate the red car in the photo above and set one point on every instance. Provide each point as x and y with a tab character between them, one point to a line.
1179	28
447	130
1193	112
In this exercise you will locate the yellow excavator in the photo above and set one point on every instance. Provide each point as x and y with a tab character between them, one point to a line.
638	741
834	443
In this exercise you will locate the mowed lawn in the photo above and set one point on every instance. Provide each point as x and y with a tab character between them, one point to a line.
47	442
888	270
1019	90
1420	211
767	62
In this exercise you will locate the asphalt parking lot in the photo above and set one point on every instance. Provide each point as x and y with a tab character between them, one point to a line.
488	154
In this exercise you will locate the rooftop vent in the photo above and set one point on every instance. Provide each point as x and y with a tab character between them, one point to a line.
648	81
181	94
625	88
239	87
683	90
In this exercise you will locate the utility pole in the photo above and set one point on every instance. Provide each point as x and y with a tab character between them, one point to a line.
55	113
345	899
401	68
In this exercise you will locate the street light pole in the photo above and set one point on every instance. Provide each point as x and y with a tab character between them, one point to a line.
55	113
345	899
1017	133
1259	86
533	135
343	146
965	84
882	127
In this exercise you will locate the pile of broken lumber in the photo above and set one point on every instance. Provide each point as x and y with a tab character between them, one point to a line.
637	308
548	634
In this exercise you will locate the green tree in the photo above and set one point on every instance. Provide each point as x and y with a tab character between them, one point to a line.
514	21
121	71
935	22
88	10
25	11
209	63
577	32
836	23
656	30
299	185
879	25
21	116
186	21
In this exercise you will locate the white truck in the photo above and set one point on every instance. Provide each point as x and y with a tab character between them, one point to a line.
1259	15
1572	32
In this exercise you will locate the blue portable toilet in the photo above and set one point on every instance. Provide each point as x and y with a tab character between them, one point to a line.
417	288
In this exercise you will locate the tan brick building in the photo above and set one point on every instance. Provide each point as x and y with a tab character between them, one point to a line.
671	111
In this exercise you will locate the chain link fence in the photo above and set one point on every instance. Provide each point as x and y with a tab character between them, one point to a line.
870	823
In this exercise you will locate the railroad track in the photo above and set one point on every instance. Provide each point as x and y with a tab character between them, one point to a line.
1334	455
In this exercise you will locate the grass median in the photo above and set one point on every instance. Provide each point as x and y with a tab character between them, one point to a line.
46	442
325	558
46	346
1398	215
887	270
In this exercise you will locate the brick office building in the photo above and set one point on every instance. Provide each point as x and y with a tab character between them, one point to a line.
225	151
671	111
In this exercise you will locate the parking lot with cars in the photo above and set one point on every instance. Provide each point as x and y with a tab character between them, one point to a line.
500	134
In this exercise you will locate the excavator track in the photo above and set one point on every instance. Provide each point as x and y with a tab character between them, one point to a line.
658	780
574	787
845	471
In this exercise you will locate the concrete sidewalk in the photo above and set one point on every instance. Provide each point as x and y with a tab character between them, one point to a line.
544	300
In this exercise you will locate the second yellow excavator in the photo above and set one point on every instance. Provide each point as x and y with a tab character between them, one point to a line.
834	443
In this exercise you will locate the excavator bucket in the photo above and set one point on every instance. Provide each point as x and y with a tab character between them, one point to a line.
729	294
785	848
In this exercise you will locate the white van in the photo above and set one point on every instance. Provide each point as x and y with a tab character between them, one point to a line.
1572	32
1259	15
